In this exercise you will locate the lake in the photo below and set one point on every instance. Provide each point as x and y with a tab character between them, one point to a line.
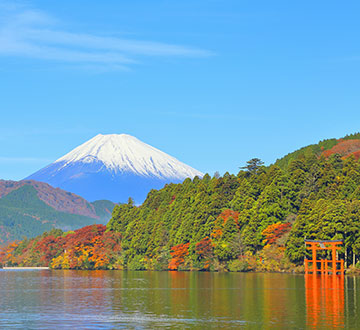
47	299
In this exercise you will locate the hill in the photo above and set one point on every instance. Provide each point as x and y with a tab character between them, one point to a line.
259	214
346	146
28	208
120	164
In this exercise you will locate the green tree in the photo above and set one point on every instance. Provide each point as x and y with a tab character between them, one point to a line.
253	165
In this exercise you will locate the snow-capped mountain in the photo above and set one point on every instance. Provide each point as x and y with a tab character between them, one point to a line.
114	167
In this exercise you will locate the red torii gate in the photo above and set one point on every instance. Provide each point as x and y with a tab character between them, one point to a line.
314	246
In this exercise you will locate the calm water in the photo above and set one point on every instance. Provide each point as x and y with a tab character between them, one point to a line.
116	299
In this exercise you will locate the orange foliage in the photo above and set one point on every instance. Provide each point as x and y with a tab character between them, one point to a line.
204	250
6	253
356	155
178	254
273	232
49	247
344	148
225	215
89	255
87	248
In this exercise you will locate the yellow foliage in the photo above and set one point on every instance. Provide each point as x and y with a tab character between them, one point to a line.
66	261
56	263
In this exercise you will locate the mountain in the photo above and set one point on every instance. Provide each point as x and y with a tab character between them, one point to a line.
114	167
28	208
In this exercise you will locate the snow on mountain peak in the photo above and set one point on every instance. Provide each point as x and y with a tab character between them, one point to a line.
126	154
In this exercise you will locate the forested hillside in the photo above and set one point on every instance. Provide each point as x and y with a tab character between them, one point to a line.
28	208
60	200
247	215
346	146
255	220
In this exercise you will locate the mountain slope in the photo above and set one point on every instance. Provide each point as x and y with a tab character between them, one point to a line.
346	146
56	198
114	167
28	208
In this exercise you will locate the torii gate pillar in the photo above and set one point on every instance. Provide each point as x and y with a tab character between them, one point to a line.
314	246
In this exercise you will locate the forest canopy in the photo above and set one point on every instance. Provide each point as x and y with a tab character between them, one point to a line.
255	220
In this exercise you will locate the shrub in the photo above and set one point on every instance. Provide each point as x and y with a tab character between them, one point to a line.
137	263
238	265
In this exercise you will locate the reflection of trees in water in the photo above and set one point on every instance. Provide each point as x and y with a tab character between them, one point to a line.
216	299
85	289
260	299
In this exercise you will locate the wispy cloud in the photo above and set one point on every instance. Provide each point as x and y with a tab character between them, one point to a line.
35	34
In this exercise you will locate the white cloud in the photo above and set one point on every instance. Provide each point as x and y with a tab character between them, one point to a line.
34	34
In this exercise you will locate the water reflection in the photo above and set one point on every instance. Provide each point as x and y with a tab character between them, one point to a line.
325	300
196	300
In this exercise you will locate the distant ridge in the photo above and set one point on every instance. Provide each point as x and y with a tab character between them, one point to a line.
56	198
28	208
114	167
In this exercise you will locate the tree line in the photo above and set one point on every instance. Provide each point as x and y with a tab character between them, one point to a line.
255	220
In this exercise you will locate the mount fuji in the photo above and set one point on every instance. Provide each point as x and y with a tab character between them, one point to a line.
114	167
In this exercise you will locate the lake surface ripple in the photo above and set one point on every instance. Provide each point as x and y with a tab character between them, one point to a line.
50	299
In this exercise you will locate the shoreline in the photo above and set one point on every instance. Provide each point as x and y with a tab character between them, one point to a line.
348	271
25	268
179	271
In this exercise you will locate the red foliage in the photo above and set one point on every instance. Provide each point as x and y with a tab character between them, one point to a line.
84	235
48	247
172	199
111	241
343	148
178	253
225	215
89	247
2	255
356	154
204	250
275	231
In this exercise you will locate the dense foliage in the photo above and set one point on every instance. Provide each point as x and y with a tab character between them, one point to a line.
87	248
323	147
257	219
314	198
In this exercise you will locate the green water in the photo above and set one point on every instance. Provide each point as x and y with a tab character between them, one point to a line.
176	300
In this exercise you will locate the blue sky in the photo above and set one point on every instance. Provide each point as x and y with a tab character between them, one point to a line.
213	83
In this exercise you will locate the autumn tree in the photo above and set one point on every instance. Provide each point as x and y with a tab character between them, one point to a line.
178	254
